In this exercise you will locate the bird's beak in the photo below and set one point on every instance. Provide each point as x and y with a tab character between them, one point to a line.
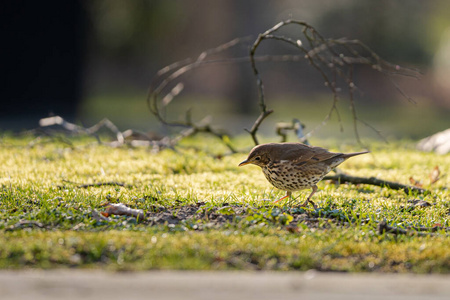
245	162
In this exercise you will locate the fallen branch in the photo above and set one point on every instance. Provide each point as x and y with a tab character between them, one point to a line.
127	137
23	223
76	129
343	178
97	184
383	227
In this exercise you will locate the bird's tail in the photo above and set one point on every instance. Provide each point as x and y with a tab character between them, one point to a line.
347	155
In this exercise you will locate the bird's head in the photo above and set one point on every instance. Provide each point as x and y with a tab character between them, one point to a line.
260	156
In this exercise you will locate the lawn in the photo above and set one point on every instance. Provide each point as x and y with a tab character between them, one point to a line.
202	212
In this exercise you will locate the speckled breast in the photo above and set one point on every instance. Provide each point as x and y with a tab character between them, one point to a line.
290	177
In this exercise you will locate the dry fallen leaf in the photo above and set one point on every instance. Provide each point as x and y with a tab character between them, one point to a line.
99	217
122	210
434	176
415	182
292	228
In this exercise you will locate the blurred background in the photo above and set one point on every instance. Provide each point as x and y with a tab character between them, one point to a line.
88	60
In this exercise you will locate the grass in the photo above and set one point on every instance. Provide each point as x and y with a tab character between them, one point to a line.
205	213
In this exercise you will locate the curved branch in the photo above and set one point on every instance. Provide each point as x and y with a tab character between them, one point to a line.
333	59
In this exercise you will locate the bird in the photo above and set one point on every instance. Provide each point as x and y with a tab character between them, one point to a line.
295	166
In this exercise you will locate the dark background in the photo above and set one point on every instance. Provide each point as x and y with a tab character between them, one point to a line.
85	60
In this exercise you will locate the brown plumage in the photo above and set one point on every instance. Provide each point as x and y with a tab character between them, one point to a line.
295	166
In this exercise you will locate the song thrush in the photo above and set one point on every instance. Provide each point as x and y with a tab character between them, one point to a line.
295	166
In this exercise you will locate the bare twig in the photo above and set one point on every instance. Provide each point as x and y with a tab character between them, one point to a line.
24	223
169	74
97	184
383	227
343	178
295	126
127	137
76	129
264	114
331	58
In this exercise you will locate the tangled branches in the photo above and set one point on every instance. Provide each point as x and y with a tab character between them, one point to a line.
168	74
333	59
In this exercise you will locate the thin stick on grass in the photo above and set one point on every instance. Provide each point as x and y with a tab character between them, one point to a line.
98	184
383	227
24	223
344	178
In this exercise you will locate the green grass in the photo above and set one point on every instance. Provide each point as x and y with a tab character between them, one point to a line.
47	221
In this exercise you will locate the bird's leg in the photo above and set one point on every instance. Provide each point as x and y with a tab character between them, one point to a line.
288	194
314	190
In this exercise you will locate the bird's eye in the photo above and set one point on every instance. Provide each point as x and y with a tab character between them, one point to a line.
257	158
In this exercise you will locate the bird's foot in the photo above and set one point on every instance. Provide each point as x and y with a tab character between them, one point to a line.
307	202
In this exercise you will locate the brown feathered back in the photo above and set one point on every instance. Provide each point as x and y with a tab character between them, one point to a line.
297	152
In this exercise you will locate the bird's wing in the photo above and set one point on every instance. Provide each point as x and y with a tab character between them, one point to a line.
302	154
